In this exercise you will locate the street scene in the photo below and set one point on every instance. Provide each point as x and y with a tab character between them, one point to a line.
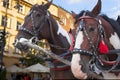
59	40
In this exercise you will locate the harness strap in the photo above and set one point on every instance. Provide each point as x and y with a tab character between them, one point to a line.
58	65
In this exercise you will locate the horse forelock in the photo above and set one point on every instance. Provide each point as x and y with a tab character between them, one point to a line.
87	13
34	7
40	8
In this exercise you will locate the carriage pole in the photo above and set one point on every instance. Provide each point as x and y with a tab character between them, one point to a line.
36	47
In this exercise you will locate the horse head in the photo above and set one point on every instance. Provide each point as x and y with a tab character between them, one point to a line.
36	25
94	40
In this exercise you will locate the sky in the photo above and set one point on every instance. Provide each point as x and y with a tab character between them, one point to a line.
109	7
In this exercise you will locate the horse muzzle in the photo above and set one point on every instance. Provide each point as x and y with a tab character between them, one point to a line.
21	46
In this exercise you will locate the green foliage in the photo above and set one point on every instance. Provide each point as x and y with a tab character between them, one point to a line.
31	59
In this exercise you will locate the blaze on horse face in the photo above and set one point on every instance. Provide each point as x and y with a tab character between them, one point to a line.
33	23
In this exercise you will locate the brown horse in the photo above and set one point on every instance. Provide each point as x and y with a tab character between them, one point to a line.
40	23
97	45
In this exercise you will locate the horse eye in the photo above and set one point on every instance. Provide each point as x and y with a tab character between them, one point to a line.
38	15
91	29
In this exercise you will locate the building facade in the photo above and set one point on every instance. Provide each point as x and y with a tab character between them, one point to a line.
15	18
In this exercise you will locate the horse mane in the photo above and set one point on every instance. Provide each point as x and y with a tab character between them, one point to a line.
114	23
38	7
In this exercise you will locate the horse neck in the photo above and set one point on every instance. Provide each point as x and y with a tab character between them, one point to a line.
107	27
110	33
59	40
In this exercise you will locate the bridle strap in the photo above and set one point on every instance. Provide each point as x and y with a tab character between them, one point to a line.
34	32
88	17
87	35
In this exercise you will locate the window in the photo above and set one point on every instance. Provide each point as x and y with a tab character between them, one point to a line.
63	21
20	8
18	25
6	3
4	22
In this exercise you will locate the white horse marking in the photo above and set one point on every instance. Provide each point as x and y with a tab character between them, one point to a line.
75	67
63	32
79	40
115	41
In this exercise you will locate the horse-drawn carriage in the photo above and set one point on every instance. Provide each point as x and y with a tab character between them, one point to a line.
96	48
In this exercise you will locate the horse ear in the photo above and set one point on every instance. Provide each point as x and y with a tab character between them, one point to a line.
73	14
97	9
118	19
48	4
